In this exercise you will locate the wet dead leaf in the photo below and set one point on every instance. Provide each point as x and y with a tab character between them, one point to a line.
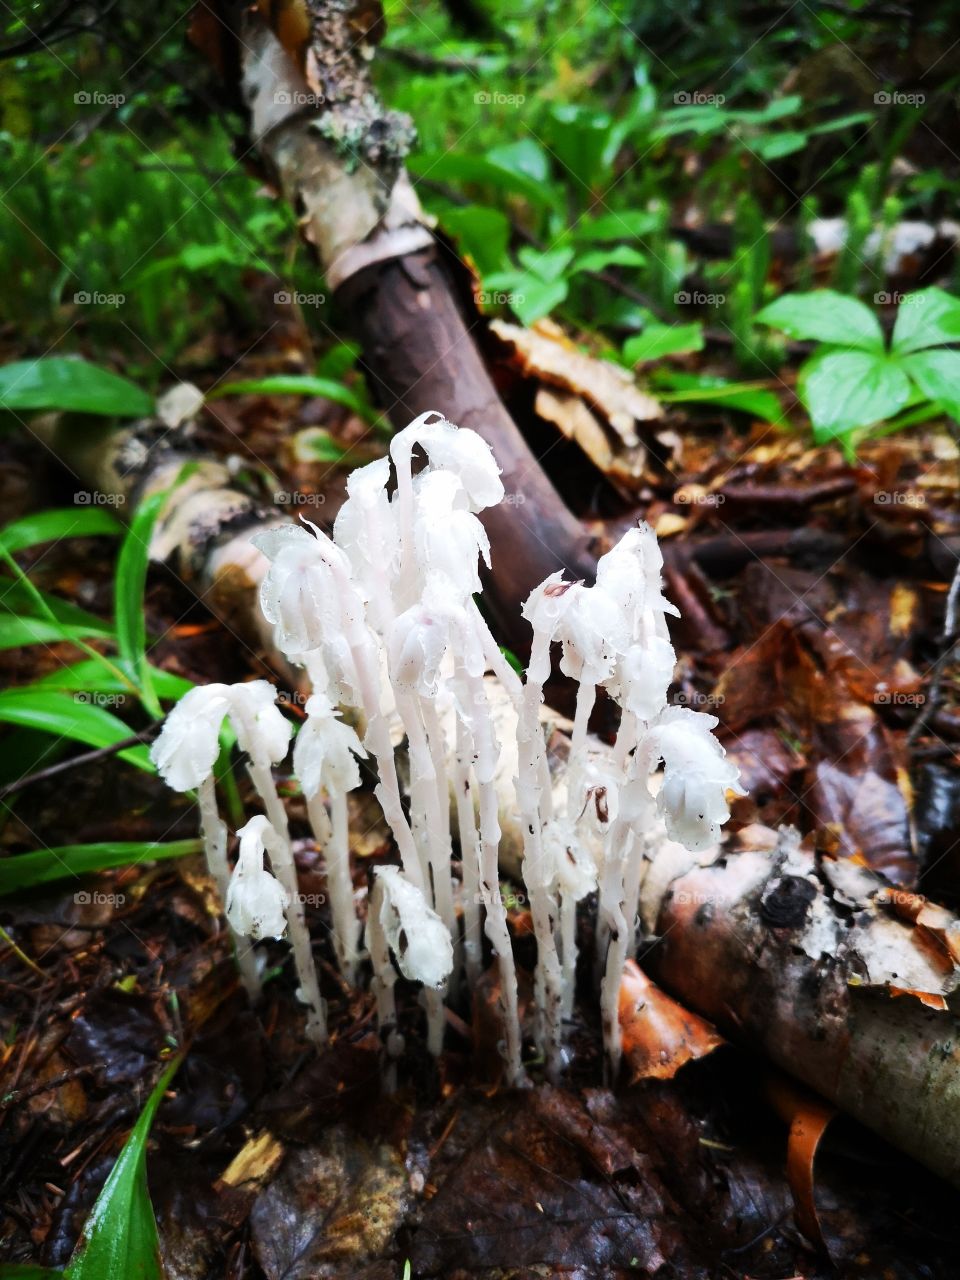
333	1208
659	1035
254	1163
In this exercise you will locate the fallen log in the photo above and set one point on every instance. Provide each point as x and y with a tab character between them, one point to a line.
820	964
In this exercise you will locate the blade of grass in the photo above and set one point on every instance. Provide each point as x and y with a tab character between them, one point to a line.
20	871
129	587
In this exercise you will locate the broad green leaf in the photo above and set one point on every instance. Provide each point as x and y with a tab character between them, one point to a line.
61	522
525	157
620	255
658	340
19	871
631	224
27	1271
824	316
296	385
929	318
843	390
128	589
454	167
532	298
71	385
481	232
120	1240
69	716
546	266
697	388
937	374
773	146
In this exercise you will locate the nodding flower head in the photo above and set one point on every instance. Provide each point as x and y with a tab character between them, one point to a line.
630	573
642	676
456	450
417	936
188	745
326	751
307	592
697	775
256	900
365	527
449	538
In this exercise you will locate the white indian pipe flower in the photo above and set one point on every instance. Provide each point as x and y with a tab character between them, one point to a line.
366	531
642	676
417	936
262	730
449	538
697	775
569	863
594	634
631	573
456	450
326	751
256	900
309	595
188	745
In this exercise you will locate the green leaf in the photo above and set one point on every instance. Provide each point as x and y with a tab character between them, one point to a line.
658	340
297	385
17	631
51	526
481	232
454	167
19	871
120	1240
937	374
90	676
73	385
698	388
774	146
18	598
620	255
525	157
824	316
628	225
546	266
27	1271
128	589
843	390
929	318
532	298
69	716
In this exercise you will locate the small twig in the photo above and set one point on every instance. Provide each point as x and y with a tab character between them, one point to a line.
86	757
42	1086
20	954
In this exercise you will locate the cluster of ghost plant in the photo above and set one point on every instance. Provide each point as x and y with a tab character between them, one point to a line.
383	617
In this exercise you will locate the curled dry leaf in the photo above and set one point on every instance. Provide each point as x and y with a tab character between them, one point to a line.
592	402
808	1117
659	1035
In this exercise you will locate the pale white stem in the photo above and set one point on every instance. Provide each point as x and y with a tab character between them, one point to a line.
214	834
332	835
618	933
469	856
495	921
384	980
531	797
568	950
436	1020
625	742
284	868
408	576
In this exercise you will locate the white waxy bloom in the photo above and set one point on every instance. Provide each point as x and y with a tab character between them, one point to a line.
417	936
456	450
326	751
448	537
642	676
416	645
593	632
570	864
630	572
544	608
188	745
598	790
696	776
262	730
256	900
189	742
366	529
